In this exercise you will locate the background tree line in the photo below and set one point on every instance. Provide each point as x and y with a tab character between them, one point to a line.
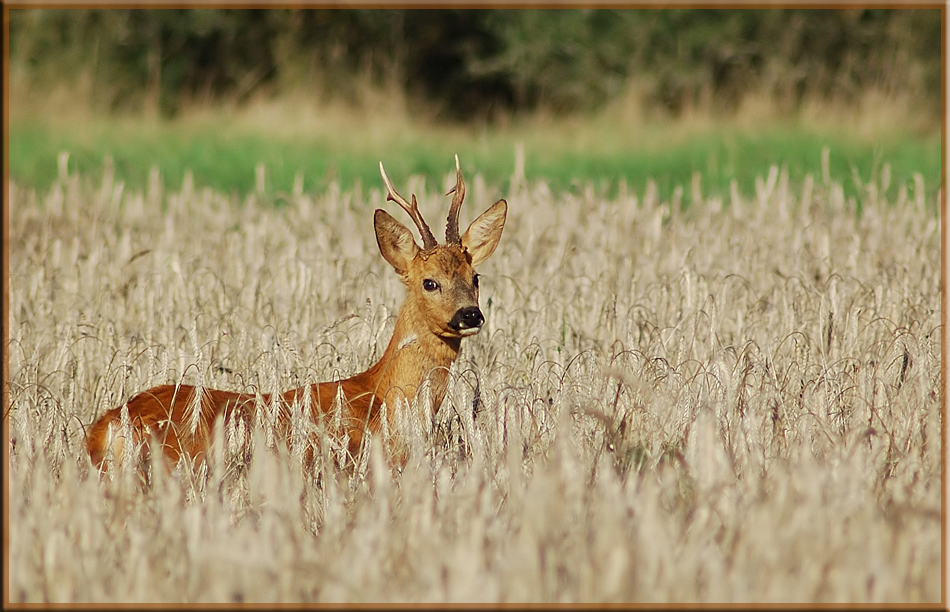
464	64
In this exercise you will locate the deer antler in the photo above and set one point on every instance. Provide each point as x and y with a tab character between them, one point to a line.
428	240
452	227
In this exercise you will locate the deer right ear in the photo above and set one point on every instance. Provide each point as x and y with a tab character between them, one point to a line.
395	241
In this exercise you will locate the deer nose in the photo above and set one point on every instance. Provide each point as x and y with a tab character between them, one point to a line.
469	317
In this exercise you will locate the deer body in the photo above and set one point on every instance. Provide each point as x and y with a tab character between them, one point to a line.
441	308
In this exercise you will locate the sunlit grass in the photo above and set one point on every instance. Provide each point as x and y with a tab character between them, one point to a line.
736	400
299	144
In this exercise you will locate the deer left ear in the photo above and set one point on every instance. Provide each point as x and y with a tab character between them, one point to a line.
483	234
394	240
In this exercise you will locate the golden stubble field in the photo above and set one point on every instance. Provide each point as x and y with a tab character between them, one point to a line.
730	401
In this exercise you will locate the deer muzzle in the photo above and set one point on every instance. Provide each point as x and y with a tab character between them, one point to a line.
467	321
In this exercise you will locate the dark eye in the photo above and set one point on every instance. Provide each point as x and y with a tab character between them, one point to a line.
430	285
475	281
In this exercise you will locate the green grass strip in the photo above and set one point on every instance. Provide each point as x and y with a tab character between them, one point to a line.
225	160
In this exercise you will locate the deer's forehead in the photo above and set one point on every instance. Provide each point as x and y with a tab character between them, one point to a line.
449	260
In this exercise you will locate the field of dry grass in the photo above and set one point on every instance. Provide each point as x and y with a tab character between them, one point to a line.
729	401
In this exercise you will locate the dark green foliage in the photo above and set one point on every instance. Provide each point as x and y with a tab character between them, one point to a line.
462	64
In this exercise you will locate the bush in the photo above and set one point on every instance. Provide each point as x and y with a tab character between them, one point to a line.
465	63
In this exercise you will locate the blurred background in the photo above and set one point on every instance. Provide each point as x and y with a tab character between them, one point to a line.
280	99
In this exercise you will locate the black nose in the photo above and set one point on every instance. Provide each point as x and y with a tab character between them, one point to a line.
467	318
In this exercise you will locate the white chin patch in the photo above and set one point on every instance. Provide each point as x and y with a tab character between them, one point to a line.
469	331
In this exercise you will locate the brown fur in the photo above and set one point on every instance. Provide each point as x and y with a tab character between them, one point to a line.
423	346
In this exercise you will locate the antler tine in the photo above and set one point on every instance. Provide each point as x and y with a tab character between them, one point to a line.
428	240
452	227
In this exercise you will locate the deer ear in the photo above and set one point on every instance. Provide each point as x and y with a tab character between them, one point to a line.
483	234
394	240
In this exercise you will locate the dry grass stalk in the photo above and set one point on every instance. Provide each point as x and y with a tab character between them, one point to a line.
734	403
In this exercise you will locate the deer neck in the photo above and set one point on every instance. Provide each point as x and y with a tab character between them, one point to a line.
414	356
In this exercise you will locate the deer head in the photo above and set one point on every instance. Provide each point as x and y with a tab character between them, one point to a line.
441	278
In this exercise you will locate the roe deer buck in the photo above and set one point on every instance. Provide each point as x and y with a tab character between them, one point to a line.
441	307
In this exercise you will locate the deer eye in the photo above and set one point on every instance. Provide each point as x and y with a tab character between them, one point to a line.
430	285
475	281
